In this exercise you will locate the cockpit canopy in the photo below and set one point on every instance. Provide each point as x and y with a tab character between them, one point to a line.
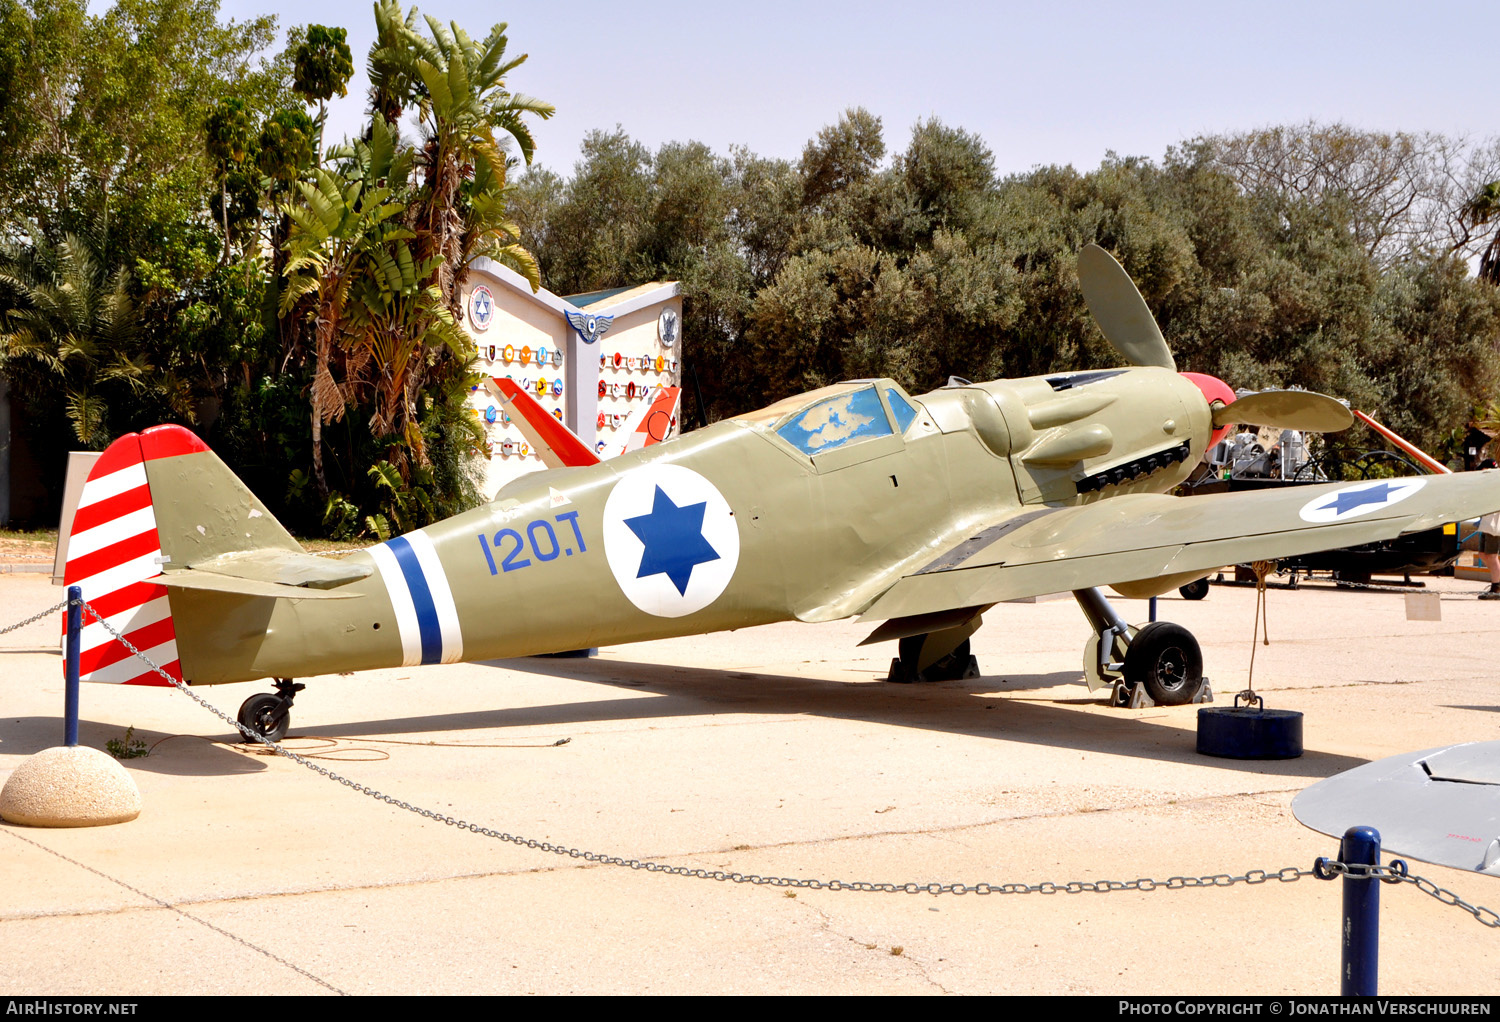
833	417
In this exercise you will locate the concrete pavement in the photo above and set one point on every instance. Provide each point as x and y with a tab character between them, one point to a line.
774	751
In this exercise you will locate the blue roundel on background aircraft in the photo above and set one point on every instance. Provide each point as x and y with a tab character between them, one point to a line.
1359	499
670	538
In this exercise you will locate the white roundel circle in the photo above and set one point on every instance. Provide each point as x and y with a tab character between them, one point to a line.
667	325
671	539
481	308
1358	499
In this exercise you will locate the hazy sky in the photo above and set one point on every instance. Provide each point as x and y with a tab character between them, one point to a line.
1056	82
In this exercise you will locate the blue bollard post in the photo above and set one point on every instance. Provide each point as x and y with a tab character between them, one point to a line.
1361	959
70	698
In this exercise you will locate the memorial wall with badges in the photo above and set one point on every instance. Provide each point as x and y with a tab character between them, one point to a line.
592	360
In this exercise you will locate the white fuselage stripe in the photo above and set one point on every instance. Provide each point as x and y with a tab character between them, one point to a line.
401	602
442	595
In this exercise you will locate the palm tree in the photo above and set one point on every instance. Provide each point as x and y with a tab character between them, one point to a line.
465	113
1482	209
342	221
72	326
394	322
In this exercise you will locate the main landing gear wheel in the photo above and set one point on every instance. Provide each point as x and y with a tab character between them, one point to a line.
954	666
1194	590
946	668
269	715
1166	659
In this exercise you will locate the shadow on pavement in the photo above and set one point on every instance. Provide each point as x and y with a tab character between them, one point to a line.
181	755
979	707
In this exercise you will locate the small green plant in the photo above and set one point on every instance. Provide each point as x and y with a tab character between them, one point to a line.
129	747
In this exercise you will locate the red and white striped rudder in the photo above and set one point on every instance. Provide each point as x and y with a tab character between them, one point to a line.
114	551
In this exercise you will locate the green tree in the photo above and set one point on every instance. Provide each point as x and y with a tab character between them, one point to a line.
321	70
230	137
340	224
72	329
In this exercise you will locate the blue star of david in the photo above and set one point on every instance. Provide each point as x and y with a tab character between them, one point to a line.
674	541
1351	499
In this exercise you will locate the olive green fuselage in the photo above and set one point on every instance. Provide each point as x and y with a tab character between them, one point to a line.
819	536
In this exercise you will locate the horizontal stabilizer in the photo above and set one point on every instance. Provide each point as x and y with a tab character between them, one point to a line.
285	568
1438	805
246	586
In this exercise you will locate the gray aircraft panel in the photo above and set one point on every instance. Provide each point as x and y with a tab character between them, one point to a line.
1439	805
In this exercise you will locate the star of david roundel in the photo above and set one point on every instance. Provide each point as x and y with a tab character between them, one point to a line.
481	307
1359	499
670	538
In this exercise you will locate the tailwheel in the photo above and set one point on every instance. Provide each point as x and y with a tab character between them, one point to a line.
269	715
1166	659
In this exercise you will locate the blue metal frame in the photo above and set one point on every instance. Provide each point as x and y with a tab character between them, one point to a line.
1360	964
70	697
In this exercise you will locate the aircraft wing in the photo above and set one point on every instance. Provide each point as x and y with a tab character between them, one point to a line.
1030	551
1439	805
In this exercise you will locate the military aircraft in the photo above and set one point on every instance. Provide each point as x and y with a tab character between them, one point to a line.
917	511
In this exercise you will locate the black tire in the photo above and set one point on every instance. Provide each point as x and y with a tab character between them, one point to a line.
947	668
266	716
1166	659
1194	590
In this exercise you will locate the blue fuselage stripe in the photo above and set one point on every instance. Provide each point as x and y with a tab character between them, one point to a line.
421	598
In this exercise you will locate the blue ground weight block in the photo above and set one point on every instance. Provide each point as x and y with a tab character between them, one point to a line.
1244	732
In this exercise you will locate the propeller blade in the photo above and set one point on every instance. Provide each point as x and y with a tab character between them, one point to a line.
1286	409
1120	310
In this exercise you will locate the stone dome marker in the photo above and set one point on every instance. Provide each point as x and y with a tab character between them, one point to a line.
70	786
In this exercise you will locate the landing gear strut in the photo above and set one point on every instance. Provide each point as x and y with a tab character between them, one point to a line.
270	715
1161	661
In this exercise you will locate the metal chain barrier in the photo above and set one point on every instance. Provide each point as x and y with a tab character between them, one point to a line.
1396	873
1323	868
33	619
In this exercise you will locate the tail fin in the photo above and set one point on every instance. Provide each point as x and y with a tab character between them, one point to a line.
651	424
556	444
154	499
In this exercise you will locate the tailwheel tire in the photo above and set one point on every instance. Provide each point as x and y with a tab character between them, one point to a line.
266	715
1166	659
951	667
1194	590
